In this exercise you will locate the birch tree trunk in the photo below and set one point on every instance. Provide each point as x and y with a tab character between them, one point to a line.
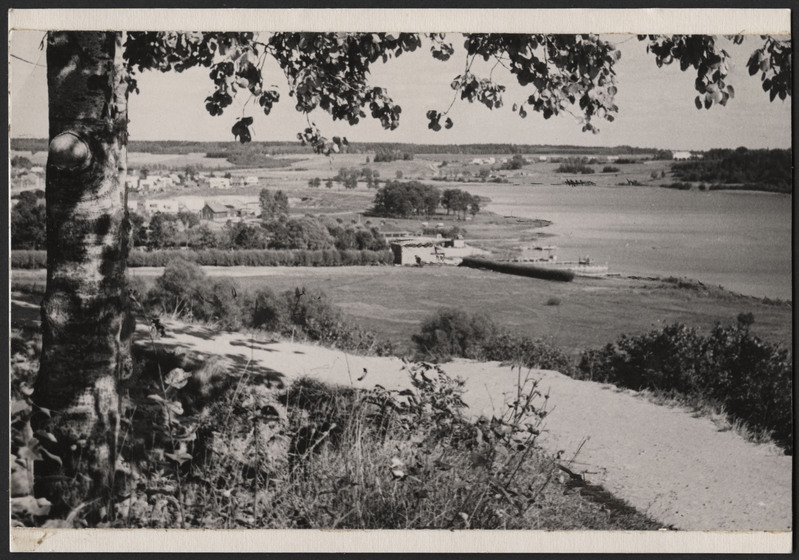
86	323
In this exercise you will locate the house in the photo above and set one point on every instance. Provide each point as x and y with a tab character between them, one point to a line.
164	206
217	212
250	209
681	155
218	183
612	159
28	181
542	158
193	204
251	180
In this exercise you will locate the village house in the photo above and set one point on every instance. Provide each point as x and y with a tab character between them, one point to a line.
217	212
148	206
681	155
222	183
28	180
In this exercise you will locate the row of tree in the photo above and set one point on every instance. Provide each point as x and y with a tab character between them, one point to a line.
757	169
409	199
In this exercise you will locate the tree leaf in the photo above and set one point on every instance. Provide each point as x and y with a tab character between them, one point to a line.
177	378
180	457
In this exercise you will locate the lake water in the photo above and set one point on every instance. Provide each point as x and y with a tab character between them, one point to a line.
740	240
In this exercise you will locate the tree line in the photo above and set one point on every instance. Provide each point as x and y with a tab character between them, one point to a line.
770	170
412	198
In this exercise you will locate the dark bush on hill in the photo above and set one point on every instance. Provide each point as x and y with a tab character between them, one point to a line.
750	378
452	332
449	333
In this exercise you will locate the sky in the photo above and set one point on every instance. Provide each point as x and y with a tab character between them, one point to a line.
656	105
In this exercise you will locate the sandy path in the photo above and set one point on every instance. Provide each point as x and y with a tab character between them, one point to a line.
679	469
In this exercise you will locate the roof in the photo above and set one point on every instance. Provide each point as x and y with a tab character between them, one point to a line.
216	207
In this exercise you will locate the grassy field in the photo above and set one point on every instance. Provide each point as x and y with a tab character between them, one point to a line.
582	314
578	315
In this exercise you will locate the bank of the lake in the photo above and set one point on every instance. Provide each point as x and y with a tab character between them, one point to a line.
737	239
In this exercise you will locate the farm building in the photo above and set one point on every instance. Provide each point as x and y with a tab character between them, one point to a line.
416	251
216	212
681	155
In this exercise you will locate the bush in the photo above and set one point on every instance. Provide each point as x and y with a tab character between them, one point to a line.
184	291
452	332
610	169
575	165
526	352
750	378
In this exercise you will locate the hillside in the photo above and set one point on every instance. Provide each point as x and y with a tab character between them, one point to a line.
682	470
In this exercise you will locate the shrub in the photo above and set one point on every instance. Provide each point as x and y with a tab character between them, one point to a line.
610	169
269	312
526	352
452	332
750	378
553	301
184	291
575	165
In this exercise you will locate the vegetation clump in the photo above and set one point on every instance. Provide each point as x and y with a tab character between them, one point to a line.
449	333
749	378
575	165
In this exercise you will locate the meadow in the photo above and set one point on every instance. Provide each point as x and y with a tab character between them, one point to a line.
586	313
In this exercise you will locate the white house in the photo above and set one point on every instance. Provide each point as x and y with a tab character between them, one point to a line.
165	206
219	183
681	155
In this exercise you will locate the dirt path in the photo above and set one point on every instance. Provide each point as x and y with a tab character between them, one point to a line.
680	469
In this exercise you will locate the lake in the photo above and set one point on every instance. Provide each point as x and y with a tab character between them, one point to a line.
739	240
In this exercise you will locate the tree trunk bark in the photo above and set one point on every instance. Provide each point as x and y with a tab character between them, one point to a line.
86	322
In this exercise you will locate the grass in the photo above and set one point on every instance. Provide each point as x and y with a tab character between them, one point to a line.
329	457
392	302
